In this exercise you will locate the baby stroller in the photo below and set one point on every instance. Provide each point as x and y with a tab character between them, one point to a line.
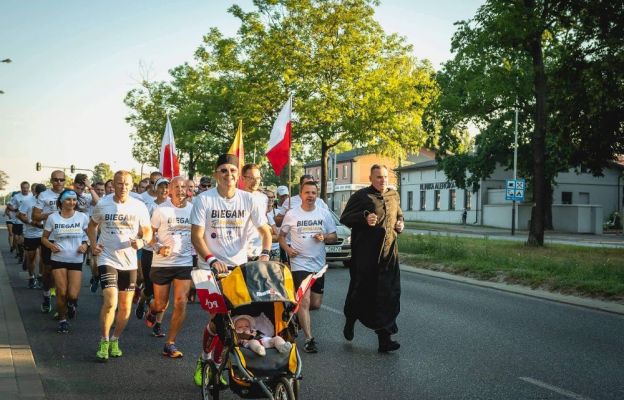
253	289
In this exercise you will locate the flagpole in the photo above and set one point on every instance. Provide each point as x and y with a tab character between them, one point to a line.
289	153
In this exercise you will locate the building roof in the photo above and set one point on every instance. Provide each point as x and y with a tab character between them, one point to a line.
420	165
346	156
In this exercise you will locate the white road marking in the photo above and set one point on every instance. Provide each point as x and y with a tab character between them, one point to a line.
555	389
323	306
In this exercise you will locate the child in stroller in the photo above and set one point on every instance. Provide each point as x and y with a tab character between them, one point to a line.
256	339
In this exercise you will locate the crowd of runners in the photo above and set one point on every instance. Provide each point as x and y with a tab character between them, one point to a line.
140	241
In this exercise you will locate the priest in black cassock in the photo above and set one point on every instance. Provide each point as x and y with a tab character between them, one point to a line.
375	218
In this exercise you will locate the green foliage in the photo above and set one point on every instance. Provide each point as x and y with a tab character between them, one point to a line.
101	173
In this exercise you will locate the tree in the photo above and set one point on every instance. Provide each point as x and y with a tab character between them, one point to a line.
4	179
351	82
531	55
102	172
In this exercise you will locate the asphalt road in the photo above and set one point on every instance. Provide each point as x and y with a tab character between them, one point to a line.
458	342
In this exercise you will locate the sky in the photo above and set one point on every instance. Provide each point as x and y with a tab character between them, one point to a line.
74	61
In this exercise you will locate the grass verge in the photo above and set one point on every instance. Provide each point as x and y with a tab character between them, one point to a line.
585	271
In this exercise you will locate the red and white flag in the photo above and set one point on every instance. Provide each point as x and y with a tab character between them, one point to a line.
210	297
169	163
306	284
278	150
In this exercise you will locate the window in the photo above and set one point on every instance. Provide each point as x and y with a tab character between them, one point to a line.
436	199
566	197
423	200
410	200
583	198
336	172
467	199
344	170
451	205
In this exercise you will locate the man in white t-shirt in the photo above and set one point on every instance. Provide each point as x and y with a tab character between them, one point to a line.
309	228
251	184
32	234
18	226
221	220
125	228
86	201
295	201
149	195
45	206
172	261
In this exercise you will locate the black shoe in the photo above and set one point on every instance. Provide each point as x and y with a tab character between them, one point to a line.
46	305
140	310
63	327
310	346
95	282
386	344
348	329
32	283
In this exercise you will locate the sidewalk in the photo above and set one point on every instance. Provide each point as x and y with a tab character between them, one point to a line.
550	237
19	378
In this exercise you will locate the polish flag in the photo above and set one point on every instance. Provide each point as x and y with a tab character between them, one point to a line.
306	284
278	150
169	163
238	150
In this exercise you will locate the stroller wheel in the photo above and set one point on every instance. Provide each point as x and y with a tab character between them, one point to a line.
210	381
284	389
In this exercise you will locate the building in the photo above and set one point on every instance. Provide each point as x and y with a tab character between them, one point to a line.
581	202
347	173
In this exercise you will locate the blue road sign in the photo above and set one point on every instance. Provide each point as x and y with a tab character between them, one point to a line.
515	189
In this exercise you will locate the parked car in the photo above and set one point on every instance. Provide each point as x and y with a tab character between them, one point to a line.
341	250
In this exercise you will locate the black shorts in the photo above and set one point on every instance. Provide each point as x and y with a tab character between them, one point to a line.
166	275
299	276
122	280
18	229
10	223
46	254
31	244
68	266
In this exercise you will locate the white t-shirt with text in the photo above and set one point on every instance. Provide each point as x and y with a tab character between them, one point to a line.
16	202
174	230
227	223
69	233
302	226
30	232
119	223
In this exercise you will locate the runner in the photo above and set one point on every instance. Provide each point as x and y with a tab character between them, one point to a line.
204	184
32	235
47	205
295	201
220	220
86	201
310	227
190	190
109	188
68	228
150	194
251	184
10	219
147	255
18	226
172	262
122	218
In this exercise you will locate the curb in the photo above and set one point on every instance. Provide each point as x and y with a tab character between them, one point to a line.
605	306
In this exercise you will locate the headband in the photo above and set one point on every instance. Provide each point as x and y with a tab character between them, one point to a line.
227	159
70	194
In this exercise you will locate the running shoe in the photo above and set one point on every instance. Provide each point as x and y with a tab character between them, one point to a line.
310	346
56	316
171	351
113	349
197	377
71	310
157	330
140	310
102	353
150	319
137	294
95	282
63	327
46	307
52	292
32	282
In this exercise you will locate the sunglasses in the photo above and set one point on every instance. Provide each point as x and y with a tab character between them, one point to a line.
204	186
226	170
58	179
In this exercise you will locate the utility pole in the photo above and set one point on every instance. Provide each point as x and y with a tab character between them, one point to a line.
515	177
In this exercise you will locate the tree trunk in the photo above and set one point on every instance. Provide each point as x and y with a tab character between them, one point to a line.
536	233
191	165
324	156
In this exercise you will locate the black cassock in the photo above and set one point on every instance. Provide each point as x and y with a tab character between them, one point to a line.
375	287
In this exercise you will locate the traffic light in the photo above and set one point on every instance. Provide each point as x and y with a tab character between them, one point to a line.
72	168
38	166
